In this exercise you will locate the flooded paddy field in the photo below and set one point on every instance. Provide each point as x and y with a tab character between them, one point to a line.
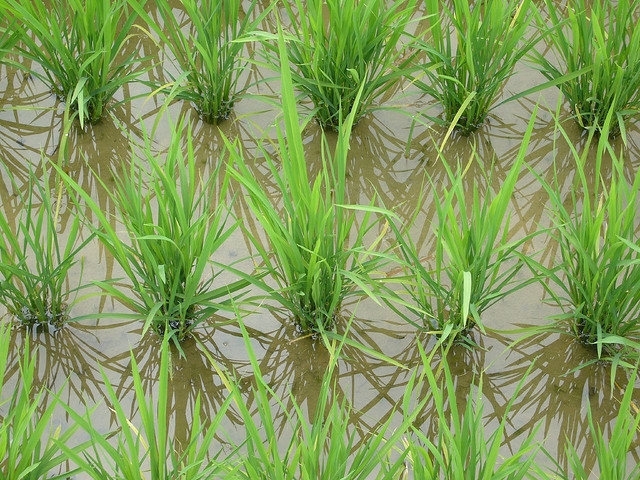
392	161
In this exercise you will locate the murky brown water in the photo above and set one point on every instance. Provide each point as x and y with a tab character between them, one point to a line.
70	360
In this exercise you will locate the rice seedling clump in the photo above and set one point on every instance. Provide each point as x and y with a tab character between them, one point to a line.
612	453
29	447
175	221
8	35
209	54
343	47
601	41
475	262
461	448
151	446
471	53
35	260
310	257
80	47
596	280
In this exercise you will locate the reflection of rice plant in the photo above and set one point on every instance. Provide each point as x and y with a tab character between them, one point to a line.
210	55
475	264
462	449
175	225
342	47
601	39
150	447
28	451
469	64
597	278
34	262
310	259
80	46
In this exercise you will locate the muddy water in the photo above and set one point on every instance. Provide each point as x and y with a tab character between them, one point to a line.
380	163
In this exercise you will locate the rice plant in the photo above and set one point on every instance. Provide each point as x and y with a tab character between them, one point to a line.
475	263
596	280
320	447
175	222
311	260
601	39
28	447
209	55
343	47
8	35
5	340
80	47
35	260
462	450
471	54
149	447
612	454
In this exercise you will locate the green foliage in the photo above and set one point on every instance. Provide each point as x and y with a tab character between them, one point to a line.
149	447
601	39
28	449
613	463
462	450
34	259
310	258
8	35
474	265
175	225
209	54
80	45
471	54
596	280
343	49
319	448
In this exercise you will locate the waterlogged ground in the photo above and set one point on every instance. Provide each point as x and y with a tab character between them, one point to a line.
70	361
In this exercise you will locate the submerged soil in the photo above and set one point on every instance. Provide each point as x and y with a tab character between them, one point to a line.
555	393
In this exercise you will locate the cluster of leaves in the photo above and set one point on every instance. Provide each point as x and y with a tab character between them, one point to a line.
80	46
348	49
597	279
210	54
35	260
310	257
471	53
599	43
173	236
474	263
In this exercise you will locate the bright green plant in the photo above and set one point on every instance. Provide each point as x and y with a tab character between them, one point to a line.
612	455
596	280
471	53
209	54
321	447
601	37
5	341
343	49
175	225
8	35
28	448
80	45
149	448
310	258
35	260
462	450
474	264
